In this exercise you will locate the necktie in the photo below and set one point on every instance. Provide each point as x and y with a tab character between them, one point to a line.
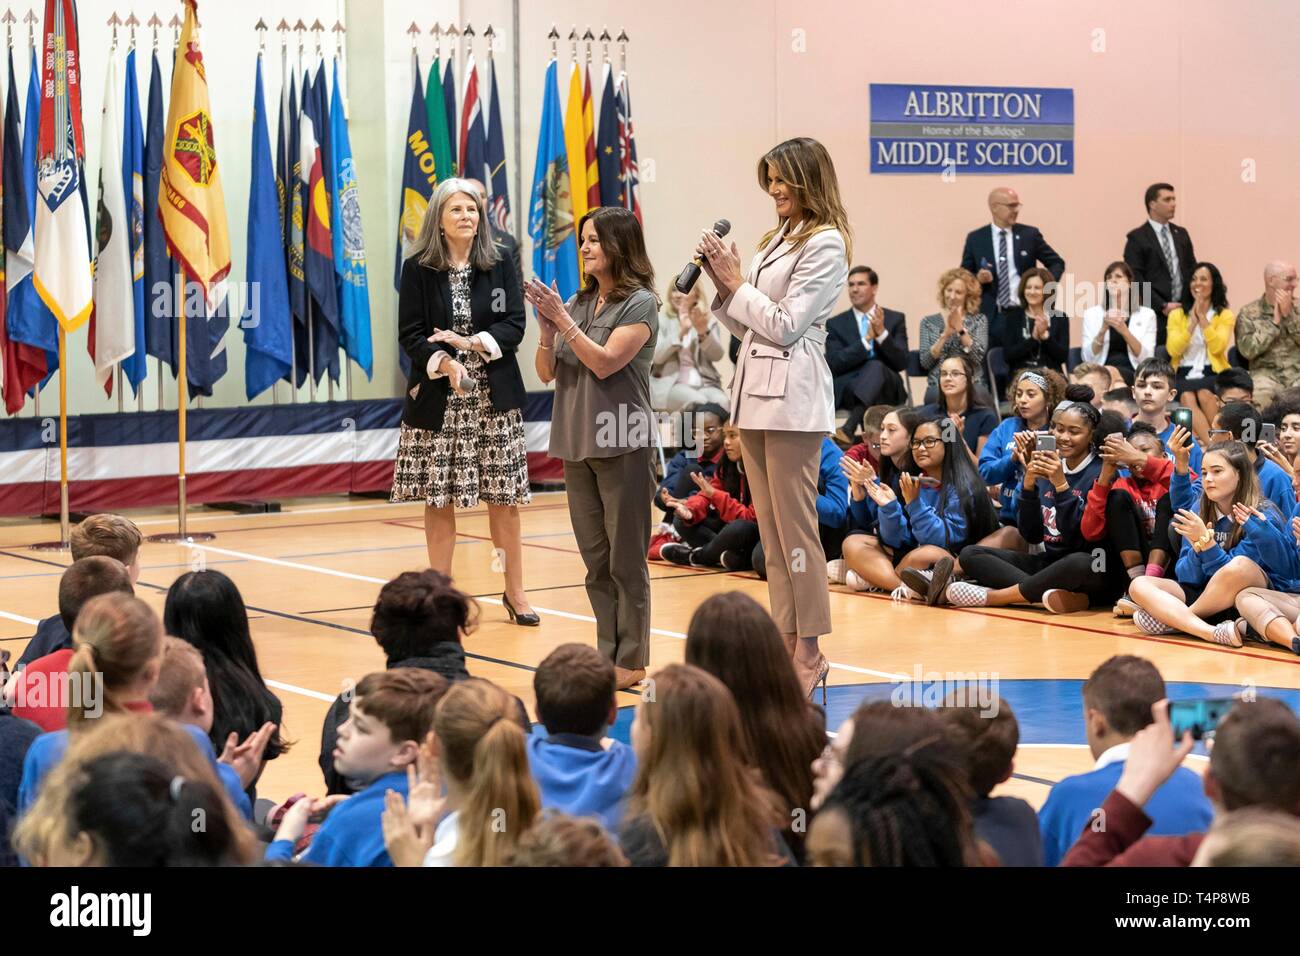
1171	260
865	322
1004	272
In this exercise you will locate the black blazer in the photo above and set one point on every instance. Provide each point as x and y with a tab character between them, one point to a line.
1029	249
508	246
1021	349
424	303
1144	256
846	352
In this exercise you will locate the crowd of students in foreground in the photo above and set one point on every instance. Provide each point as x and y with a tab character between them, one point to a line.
1084	496
426	765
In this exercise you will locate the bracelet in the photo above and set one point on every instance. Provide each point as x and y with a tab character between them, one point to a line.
546	348
1205	542
571	332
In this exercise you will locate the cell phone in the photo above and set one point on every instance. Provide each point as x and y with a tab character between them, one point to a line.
1200	715
926	481
1268	433
1182	417
1045	441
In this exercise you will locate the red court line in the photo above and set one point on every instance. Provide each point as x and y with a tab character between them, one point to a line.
1054	622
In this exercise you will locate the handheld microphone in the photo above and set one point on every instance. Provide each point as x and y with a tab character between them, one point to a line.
686	281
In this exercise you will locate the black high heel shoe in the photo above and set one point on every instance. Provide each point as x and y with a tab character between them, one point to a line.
523	620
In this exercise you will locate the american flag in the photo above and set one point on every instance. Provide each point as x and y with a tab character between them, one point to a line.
631	192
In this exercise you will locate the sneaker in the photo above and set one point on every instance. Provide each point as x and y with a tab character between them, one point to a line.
697	559
676	552
903	594
1059	601
940	575
835	571
1149	625
965	594
1227	634
916	581
1295	645
734	560
857	582
1125	607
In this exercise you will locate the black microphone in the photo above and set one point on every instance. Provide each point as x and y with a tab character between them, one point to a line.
689	275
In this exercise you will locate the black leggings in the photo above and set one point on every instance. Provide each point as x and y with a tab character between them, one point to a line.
713	537
1035	573
1126	524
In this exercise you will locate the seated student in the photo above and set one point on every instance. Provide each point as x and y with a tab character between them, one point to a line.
1270	615
478	747
1096	377
716	523
698	798
206	609
1235	539
558	839
1007	824
832	507
904	800
1251	837
419	621
868	449
733	638
1239	421
135	817
16	736
101	535
1117	702
961	402
1255	764
1121	402
84	579
390	716
1063	577
1153	387
578	770
1285	416
112	671
943	509
1234	385
182	691
703	457
1128	505
1033	394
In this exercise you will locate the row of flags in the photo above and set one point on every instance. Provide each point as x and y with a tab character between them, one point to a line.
579	167
160	209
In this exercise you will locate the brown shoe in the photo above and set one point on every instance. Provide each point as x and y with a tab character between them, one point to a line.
625	679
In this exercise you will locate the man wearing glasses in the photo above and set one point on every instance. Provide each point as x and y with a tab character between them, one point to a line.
997	255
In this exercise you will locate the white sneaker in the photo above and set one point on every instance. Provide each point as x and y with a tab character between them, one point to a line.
902	594
857	582
835	571
965	594
1147	623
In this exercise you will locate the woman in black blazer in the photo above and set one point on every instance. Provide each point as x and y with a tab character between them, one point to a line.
1035	333
460	319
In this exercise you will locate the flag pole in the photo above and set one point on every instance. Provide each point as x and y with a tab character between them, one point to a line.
63	439
181	401
339	31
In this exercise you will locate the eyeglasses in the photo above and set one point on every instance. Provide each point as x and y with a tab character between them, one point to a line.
1221	431
710	429
951	374
926	443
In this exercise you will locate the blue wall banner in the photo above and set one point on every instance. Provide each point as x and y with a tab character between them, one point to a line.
971	129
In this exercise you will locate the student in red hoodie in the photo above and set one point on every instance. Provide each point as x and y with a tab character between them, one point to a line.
1128	505
1255	763
717	524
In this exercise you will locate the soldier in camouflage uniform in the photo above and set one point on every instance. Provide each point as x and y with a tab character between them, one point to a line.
1268	334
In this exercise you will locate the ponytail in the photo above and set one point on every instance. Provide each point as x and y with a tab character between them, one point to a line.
501	801
116	637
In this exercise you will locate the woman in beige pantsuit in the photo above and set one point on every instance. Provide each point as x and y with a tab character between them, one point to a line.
782	396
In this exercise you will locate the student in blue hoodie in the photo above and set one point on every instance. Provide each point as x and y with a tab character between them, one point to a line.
1236	539
579	770
1155	388
378	745
1065	576
1272	615
1239	421
1117	701
1034	392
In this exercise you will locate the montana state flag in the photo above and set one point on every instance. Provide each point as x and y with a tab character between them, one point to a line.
190	200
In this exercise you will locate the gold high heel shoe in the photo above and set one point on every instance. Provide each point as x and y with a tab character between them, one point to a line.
821	670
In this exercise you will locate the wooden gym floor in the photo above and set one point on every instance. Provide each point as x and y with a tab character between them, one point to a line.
310	575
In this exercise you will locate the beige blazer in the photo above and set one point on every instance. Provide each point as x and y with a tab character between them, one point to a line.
782	381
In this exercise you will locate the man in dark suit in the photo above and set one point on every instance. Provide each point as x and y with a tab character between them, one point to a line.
866	348
998	254
1160	255
507	243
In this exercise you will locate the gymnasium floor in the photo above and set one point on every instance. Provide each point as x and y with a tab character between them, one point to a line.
310	575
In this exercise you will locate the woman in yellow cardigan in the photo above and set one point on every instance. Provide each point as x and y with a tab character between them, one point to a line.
1199	334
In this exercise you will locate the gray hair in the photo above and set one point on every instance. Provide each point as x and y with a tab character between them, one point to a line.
430	247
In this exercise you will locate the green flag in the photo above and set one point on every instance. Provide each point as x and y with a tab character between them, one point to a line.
439	140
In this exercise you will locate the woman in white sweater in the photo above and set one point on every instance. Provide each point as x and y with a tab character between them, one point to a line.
1116	334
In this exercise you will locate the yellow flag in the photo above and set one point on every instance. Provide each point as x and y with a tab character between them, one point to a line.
575	144
190	198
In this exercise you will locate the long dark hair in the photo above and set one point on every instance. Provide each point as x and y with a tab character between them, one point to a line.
962	482
735	640
909	418
204	608
623	244
974	398
732	475
1119	265
1218	289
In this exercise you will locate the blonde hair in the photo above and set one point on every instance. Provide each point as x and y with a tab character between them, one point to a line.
697	785
972	289
1248	492
105	534
117	636
483	749
179	672
430	247
805	166
696	295
150	734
